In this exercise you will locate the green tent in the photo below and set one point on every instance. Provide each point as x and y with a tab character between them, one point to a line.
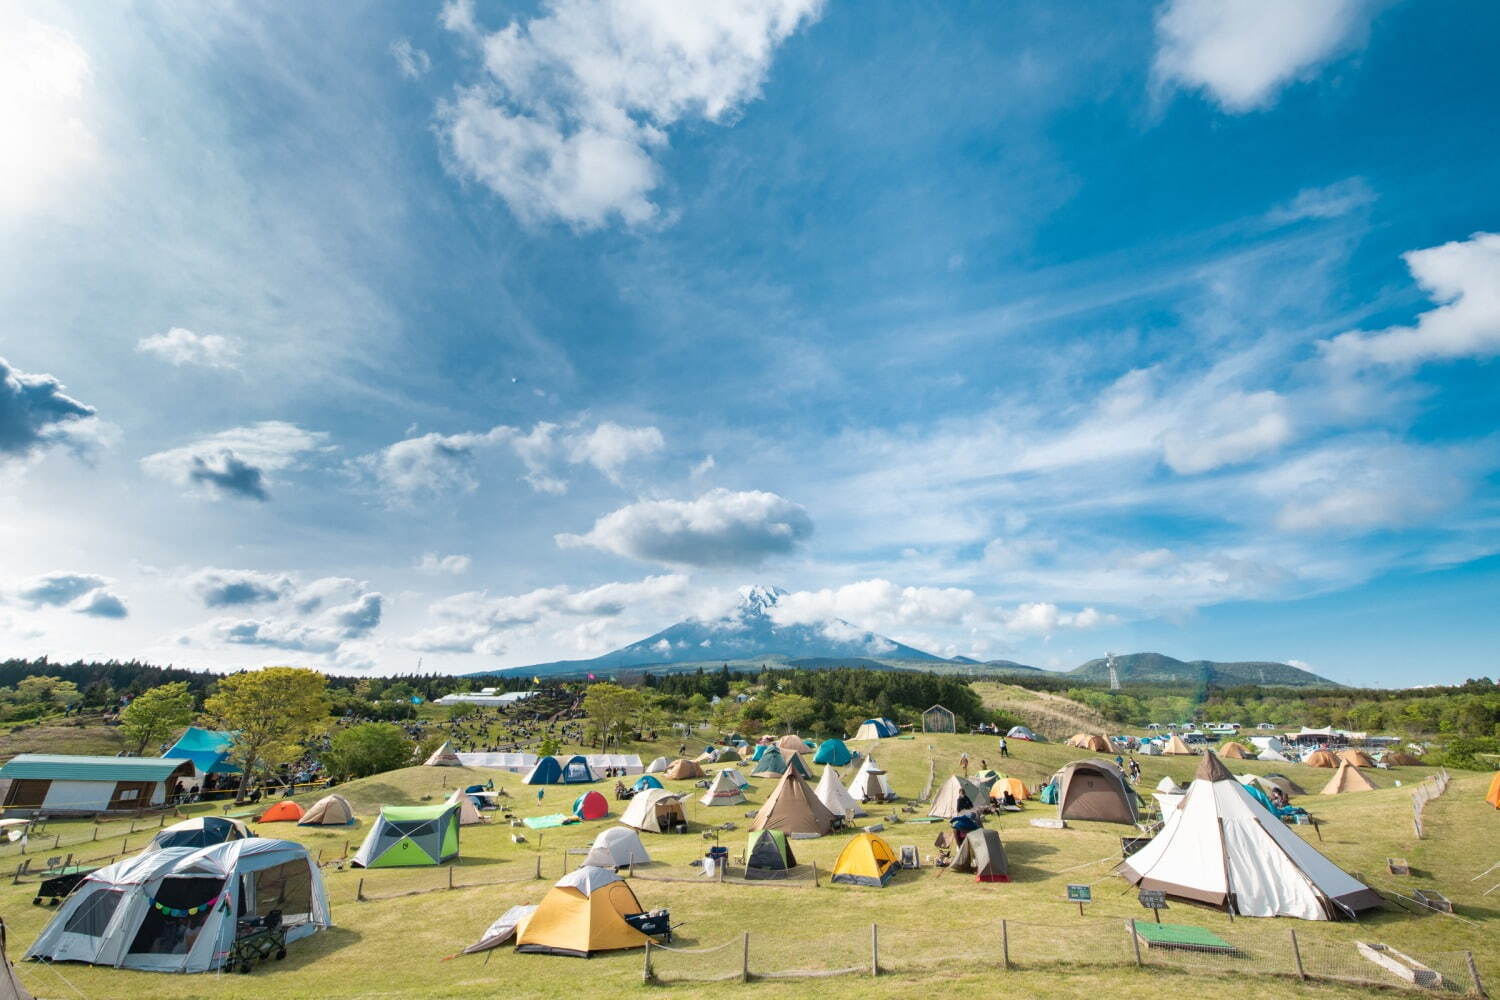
405	836
768	854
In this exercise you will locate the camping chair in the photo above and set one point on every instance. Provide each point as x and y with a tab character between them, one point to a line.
257	939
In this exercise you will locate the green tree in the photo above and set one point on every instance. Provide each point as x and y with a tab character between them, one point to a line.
47	691
156	715
368	748
611	708
791	710
273	711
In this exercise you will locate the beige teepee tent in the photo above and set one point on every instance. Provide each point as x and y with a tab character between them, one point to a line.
832	793
468	813
793	808
1176	746
444	756
1348	778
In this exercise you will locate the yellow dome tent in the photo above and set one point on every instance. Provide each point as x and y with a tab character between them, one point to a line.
1320	758
583	914
1175	745
866	860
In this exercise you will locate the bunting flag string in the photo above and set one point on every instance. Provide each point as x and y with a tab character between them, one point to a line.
192	911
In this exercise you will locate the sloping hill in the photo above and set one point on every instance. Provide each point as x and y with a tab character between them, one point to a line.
1049	715
1159	668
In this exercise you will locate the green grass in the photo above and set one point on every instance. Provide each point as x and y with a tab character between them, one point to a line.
396	947
80	735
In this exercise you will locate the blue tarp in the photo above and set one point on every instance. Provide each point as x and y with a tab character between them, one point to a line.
206	748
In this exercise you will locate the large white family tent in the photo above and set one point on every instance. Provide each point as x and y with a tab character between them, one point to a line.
1220	846
177	909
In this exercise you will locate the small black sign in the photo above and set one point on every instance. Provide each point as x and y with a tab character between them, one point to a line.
1154	899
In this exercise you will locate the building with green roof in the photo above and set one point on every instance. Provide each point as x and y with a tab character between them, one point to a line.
70	783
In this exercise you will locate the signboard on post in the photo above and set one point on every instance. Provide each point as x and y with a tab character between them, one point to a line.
1154	900
1080	894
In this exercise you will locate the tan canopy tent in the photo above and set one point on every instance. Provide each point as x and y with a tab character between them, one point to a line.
984	855
444	756
682	769
1358	758
957	795
1347	779
792	743
654	810
1095	790
1223	848
1176	746
724	791
793	808
1234	750
330	810
1090	741
1320	758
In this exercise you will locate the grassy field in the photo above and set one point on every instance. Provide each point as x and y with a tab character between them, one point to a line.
937	931
81	735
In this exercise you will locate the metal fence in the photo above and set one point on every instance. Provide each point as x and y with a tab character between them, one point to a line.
1429	789
879	949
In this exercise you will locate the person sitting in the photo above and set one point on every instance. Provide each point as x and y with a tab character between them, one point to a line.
1008	801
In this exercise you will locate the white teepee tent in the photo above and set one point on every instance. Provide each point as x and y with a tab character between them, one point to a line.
870	784
1220	846
832	793
723	792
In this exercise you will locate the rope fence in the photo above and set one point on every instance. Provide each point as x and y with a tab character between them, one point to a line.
880	949
1429	789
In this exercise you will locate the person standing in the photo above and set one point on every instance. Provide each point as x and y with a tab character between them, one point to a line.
963	762
1004	747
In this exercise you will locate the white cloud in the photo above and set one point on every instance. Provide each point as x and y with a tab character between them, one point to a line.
184	347
81	593
433	463
321	617
410	60
236	462
577	100
44	77
35	414
222	588
882	605
609	446
1463	277
719	528
1244	52
1236	427
1364	485
435	565
1044	618
1330	202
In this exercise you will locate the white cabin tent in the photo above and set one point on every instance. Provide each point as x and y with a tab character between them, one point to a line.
654	810
870	784
517	763
617	847
1222	847
832	793
56	783
724	791
176	910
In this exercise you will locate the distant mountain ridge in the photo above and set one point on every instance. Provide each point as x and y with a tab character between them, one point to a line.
749	634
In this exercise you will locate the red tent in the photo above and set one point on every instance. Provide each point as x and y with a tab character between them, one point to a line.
591	805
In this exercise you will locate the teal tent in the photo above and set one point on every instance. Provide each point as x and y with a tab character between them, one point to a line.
1049	793
646	781
832	752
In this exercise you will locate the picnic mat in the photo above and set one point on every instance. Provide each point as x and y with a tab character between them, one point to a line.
1180	936
549	821
924	819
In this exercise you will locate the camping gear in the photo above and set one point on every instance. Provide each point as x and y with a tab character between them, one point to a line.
1048	795
877	729
591	805
1348	779
1022	733
1222	847
1234	750
1320	758
982	853
768	854
1357	758
655	810
724	791
870	784
551	821
646	781
179	909
201	831
865	860
468	809
55	888
587	911
410	836
617	847
444	756
682	769
502	930
1096	790
832	793
792	743
834	752
285	811
1175	746
657	766
551	771
1090	741
330	810
957	795
793	808
1183	937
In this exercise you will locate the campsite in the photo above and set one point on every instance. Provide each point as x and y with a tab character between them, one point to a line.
934	926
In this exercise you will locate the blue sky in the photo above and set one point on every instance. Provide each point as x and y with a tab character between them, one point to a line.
494	333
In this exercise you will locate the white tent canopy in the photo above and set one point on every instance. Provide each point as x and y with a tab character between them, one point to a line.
517	762
616	847
116	916
1220	846
832	793
658	765
724	791
870	784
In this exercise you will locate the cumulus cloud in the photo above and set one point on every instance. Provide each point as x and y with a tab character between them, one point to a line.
719	528
881	604
238	462
609	446
576	101
433	463
44	77
1463	277
435	565
82	593
1044	618
410	60
1243	52
224	588
184	347
36	413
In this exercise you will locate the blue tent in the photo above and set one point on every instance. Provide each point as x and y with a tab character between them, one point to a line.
549	771
885	727
576	770
760	751
646	781
546	771
832	752
206	748
1049	793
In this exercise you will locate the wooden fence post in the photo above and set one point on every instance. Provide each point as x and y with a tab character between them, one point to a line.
1005	944
538	866
815	874
646	972
57	842
123	842
1135	942
359	891
1474	975
1297	954
96	832
874	949
450	876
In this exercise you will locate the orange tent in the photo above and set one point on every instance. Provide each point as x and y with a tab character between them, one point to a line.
285	811
1358	758
1015	786
1320	758
1235	750
1494	797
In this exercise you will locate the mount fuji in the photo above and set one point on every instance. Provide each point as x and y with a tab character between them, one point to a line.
747	632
